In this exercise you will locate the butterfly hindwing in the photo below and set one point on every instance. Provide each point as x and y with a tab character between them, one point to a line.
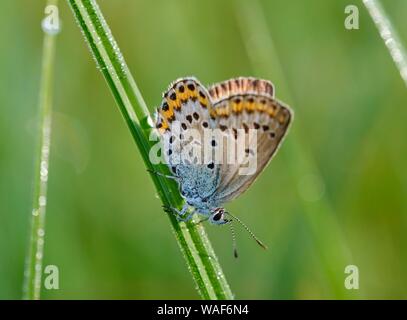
245	108
240	86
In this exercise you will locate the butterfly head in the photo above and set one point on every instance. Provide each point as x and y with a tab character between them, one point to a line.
218	217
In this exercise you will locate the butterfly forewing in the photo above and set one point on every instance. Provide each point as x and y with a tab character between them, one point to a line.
182	120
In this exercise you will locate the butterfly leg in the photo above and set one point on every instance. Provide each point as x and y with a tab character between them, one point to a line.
181	215
163	175
187	217
203	220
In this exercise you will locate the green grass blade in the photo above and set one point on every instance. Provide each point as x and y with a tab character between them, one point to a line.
333	252
389	36
192	239
33	268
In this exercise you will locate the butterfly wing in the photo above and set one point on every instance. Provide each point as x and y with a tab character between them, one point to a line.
245	109
181	119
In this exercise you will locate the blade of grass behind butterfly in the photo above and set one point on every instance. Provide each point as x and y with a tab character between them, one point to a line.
192	239
333	251
389	36
34	258
398	54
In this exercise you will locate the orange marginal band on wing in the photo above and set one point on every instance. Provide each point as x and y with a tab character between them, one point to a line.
250	103
180	92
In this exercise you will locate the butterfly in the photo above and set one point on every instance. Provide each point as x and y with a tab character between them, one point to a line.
241	111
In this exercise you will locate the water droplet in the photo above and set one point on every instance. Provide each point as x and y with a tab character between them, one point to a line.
51	23
41	232
42	201
150	122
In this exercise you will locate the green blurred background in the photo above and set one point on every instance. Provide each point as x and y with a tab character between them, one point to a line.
335	195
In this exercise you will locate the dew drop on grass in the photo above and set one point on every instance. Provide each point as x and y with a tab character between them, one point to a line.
51	24
42	200
150	122
49	30
41	232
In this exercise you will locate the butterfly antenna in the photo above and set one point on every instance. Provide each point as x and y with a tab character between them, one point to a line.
261	244
232	229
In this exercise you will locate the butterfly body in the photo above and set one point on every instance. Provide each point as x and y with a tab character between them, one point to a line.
198	187
211	136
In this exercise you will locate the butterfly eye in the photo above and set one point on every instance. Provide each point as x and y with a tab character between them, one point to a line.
218	216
